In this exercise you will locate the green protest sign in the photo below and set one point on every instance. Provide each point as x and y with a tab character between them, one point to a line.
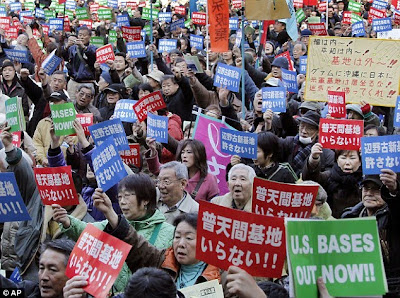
82	13
104	14
63	116
41	5
130	12
70	14
97	41
103	2
147	29
345	253
59	9
354	6
49	14
146	13
112	36
40	43
15	114
187	23
29	6
314	20
300	15
355	18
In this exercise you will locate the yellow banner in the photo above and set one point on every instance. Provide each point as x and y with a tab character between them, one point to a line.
365	69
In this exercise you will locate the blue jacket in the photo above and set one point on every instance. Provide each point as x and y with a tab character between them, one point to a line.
81	71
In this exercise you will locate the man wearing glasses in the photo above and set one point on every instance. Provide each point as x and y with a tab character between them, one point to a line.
83	103
173	199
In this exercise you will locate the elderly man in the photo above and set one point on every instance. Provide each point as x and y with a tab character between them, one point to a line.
174	200
52	264
83	104
240	182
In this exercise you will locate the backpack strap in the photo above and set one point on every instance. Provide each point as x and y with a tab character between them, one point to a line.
196	189
154	236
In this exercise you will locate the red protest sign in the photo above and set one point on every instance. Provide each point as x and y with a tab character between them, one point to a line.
131	156
131	33
396	4
253	242
142	4
218	18
28	20
181	10
56	186
105	53
16	138
99	257
287	56
396	17
318	29
4	23
132	5
85	120
298	3
283	200
87	23
237	3
46	29
337	104
94	7
341	134
199	18
67	24
322	6
150	103
346	17
375	14
11	32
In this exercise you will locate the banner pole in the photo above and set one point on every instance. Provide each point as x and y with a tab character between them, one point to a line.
243	70
151	34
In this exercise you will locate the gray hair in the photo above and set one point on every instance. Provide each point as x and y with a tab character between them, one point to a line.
180	169
240	166
322	196
87	86
303	45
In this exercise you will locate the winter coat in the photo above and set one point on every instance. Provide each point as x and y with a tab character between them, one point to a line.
16	90
144	228
81	71
37	53
277	172
143	254
227	201
181	103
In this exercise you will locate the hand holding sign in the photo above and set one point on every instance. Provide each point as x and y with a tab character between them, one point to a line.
74	286
60	215
389	179
103	203
6	138
242	284
316	151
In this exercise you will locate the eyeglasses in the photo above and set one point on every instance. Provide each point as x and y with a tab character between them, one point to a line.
165	182
86	95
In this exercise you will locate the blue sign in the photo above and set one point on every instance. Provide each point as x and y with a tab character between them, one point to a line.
379	153
227	77
70	4
197	41
239	143
167	45
107	165
104	67
396	119
123	20
56	24
379	4
358	29
157	127
51	63
143	34
21	56
39	13
136	49
382	25
12	207
303	64
234	23
113	3
289	80
15	6
16	275
25	13
110	128
177	24
165	17
274	98
124	110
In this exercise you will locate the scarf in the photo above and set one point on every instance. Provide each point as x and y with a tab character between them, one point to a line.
344	181
302	153
188	274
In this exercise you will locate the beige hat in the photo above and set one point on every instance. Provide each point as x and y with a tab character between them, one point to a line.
156	75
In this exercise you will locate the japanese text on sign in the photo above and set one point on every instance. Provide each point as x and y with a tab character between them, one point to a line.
274	98
239	143
111	128
341	134
124	110
149	103
12	207
105	53
167	45
157	127
228	77
131	156
337	104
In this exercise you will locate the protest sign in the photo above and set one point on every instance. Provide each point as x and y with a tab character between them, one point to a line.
303	64
149	103
94	7
341	134
396	118
193	63
199	18
345	253
357	29
314	20
4	23
393	34
218	19
286	55
97	41
124	110
267	10
107	164
165	17
56	24
104	54
289	80
239	143
380	153
157	127
85	120
136	49
274	98
362	68
318	29
167	45
180	23
355	17
380	4
228	77
208	289
39	13
337	104
375	13
181	10
51	63
110	128
197	41
21	56
99	257
56	186
112	36
354	6
322	6
207	131
123	20
16	275
346	17
82	13
12	207
131	156
300	15
104	14
253	242
234	23
146	13
15	6
15	114
11	33
131	33
283	200
63	116
87	23
16	138
70	4
237	3
382	25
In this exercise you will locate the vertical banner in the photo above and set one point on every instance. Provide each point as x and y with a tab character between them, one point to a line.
218	18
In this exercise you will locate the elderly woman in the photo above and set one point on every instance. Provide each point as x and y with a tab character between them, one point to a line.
240	183
137	199
179	260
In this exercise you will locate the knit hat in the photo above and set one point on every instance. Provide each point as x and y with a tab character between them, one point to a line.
355	108
310	117
106	76
281	62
